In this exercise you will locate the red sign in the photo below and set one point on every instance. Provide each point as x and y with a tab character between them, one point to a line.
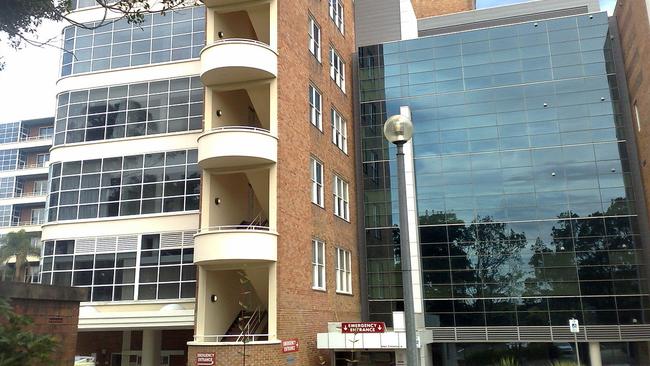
290	345
205	359
365	327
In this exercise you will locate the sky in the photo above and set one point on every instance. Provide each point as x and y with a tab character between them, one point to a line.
27	84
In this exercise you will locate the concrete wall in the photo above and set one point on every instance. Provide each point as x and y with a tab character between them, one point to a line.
509	14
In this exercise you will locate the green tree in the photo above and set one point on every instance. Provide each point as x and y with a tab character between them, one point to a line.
17	244
18	345
19	19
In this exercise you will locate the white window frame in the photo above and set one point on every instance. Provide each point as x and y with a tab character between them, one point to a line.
337	14
314	38
339	131
341	198
337	69
40	187
315	107
317	187
343	271
318	265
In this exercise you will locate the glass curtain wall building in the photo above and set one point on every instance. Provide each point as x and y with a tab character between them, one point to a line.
526	212
24	155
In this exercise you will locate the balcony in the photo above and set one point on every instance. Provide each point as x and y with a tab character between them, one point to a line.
235	244
237	60
237	146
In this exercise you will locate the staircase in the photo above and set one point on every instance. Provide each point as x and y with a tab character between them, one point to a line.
248	326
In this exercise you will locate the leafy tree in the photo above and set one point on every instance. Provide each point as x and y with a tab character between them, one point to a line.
18	345
19	19
17	244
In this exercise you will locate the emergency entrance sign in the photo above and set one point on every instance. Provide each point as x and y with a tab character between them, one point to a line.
205	359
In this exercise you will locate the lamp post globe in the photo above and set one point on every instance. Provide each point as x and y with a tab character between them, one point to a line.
398	129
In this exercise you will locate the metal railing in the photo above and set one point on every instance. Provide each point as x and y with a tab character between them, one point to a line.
233	228
240	128
232	338
31	194
32	165
28	222
34	138
241	40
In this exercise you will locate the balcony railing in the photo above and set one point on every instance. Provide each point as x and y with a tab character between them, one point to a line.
34	138
30	194
232	227
32	165
28	222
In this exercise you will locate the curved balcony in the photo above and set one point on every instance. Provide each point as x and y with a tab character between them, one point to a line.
237	60
237	146
235	244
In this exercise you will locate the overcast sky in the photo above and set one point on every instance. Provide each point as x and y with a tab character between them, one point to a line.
28	80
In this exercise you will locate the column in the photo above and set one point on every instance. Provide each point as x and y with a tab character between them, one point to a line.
594	354
126	347
151	344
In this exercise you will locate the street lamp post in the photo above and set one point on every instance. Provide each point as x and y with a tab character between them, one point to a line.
398	130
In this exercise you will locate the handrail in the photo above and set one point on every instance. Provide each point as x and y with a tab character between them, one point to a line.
241	40
222	337
254	321
235	128
234	227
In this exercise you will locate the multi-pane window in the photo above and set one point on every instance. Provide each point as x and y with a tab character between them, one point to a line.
9	132
45	132
318	264
8	159
314	38
6	214
176	35
40	187
37	216
7	187
343	271
336	13
315	107
78	4
316	168
341	198
339	131
123	268
123	186
42	158
150	108
337	69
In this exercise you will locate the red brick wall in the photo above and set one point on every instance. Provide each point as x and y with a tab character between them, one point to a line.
634	27
303	312
430	8
257	355
55	318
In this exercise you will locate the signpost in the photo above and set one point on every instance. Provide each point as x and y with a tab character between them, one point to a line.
574	327
363	327
290	345
205	359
